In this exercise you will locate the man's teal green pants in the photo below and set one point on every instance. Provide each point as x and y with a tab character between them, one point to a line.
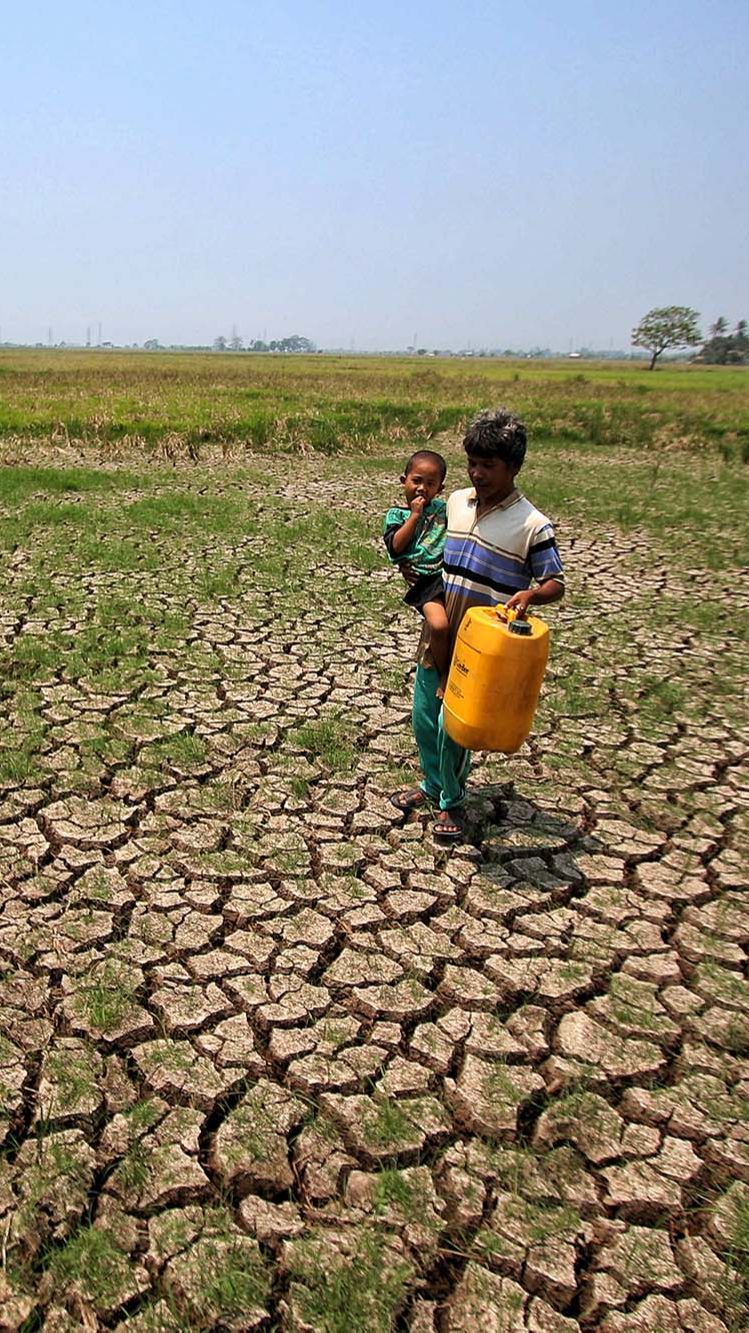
444	764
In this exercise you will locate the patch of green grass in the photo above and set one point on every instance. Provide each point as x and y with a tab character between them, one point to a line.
388	1124
497	1083
393	679
234	1283
330	740
736	1038
233	1279
578	1105
42	515
178	510
257	1121
93	649
93	1260
660	698
722	984
393	1190
213	583
108	997
291	860
105	748
326	1128
20	764
54	1168
183	750
31	658
735	1292
545	1223
116	555
73	1076
18	483
143	1114
342	1293
574	691
571	971
174	1056
223	797
135	1167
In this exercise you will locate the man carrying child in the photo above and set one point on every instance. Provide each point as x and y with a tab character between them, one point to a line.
497	546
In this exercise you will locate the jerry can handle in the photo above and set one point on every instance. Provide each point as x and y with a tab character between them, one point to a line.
515	621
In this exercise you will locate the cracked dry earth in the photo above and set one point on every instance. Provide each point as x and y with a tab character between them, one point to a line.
272	1058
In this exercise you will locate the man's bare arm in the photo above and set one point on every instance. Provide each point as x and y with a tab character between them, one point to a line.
551	590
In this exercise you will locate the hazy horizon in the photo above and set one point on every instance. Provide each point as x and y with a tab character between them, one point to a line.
155	345
377	178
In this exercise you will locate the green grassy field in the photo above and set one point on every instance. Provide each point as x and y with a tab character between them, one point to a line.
82	521
660	451
180	401
179	511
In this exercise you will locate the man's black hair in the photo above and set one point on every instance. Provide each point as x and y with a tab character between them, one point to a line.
433	458
497	434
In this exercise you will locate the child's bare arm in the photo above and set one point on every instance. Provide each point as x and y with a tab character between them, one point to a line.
402	539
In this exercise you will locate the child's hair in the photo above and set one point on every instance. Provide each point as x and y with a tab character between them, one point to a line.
497	434
433	458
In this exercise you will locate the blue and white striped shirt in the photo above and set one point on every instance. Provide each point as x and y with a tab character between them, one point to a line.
487	559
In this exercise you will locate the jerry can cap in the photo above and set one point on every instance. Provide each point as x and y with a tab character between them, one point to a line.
520	627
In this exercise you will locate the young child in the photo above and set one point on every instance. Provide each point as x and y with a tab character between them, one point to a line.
416	535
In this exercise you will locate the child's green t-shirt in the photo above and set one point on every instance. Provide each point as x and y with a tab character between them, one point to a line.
425	551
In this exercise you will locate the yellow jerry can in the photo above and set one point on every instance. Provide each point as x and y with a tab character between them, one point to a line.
495	678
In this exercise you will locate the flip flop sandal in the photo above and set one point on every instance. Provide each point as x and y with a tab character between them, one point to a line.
413	798
450	824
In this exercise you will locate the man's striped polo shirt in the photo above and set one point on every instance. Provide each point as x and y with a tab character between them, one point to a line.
487	559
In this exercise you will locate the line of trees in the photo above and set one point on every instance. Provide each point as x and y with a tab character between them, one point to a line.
674	326
725	347
293	344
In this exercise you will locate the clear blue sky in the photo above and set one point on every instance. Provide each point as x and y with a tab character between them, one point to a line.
481	172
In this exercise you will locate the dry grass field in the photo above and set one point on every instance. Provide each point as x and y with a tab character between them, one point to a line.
271	1058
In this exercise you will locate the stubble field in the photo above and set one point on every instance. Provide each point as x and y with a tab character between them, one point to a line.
270	1057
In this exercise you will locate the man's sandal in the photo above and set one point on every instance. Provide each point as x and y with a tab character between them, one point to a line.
449	824
413	798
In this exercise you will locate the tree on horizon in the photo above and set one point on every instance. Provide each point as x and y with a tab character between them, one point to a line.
665	327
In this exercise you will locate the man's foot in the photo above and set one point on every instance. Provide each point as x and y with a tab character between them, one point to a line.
413	798
449	824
